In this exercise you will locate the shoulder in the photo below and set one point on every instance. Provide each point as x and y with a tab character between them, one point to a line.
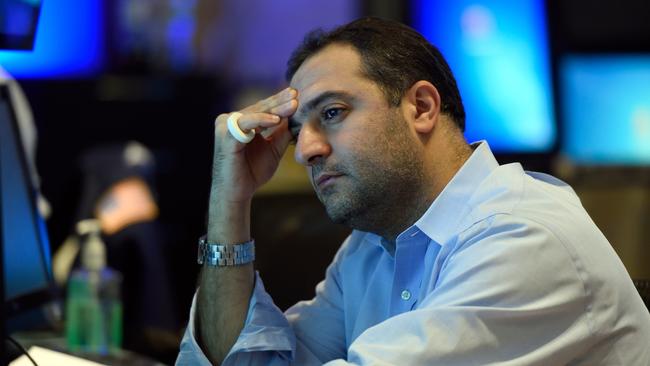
517	195
523	230
536	224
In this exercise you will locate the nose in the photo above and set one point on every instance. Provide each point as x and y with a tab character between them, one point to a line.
312	145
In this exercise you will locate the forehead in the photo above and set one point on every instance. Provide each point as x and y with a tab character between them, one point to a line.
337	67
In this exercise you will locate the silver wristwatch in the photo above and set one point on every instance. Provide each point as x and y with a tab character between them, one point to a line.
221	255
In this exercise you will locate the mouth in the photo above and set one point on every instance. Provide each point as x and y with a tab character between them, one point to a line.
325	179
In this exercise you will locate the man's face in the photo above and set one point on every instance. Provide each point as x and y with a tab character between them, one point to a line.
360	153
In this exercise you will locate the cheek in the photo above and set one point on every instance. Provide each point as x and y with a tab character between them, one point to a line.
361	158
350	142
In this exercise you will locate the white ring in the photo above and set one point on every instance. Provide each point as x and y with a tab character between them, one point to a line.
236	131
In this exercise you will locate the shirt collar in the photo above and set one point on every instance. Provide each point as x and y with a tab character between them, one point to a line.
441	219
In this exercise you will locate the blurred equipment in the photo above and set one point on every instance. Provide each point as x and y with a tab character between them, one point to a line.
206	36
18	21
69	43
27	134
118	195
606	109
604	101
25	279
93	307
26	286
500	55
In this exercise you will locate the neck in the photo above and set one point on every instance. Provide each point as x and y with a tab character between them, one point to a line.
446	163
445	155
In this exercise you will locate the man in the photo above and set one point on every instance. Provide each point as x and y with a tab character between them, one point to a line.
454	260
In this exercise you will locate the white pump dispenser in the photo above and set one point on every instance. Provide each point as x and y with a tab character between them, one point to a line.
93	253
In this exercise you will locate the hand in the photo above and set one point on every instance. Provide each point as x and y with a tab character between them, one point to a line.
240	169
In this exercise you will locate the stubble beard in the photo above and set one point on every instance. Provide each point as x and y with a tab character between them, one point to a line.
380	185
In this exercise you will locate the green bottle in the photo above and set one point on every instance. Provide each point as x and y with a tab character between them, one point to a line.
93	308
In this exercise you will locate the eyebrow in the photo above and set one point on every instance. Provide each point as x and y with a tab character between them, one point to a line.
315	102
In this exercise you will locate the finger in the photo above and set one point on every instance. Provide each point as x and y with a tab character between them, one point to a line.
250	121
273	101
280	132
285	109
281	136
283	96
268	133
264	118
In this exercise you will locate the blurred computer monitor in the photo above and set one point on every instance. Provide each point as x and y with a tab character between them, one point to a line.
605	109
18	21
69	41
499	53
27	279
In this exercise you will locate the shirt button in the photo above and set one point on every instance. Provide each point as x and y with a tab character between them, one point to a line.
406	295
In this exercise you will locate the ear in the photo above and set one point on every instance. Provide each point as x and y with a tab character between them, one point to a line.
423	103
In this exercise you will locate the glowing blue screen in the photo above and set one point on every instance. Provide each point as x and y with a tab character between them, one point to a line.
68	42
606	109
26	252
498	51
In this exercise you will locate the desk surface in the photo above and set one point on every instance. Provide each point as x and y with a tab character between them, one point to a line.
56	342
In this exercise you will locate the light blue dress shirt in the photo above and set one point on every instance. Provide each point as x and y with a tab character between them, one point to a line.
504	268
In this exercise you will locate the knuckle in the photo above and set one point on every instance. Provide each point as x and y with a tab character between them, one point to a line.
250	108
221	119
220	127
261	105
258	106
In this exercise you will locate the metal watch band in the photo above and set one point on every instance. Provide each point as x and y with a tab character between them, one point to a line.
221	255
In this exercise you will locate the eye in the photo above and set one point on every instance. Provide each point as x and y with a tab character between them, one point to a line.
331	113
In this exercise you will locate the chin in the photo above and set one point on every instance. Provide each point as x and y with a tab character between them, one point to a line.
339	218
344	213
348	209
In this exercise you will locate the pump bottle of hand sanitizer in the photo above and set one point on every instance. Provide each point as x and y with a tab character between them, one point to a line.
93	308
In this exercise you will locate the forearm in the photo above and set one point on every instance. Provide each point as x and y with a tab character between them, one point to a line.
224	292
239	169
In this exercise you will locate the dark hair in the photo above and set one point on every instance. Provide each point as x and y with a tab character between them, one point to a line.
393	55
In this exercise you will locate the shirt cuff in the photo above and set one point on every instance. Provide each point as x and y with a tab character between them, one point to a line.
190	353
265	329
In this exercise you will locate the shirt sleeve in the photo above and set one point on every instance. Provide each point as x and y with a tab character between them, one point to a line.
266	339
269	336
